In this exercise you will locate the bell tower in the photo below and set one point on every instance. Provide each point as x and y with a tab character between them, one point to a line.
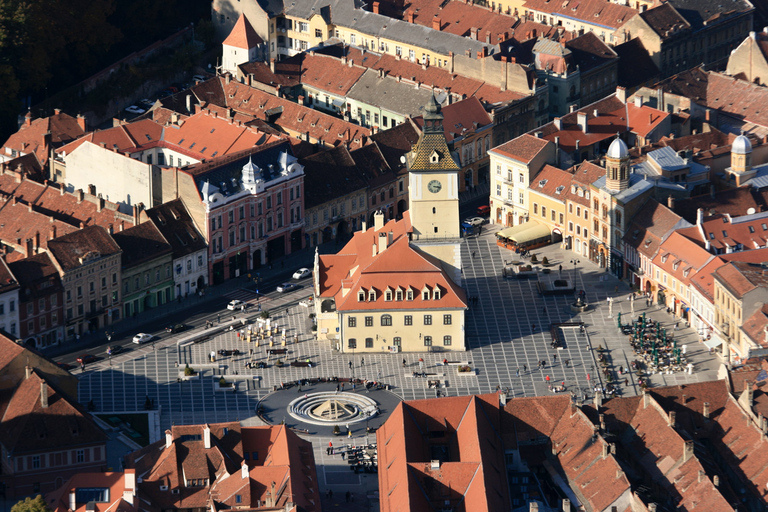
617	166
433	193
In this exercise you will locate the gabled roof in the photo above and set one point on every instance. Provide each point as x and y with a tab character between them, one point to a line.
652	223
681	257
636	67
702	13
330	174
113	483
665	20
243	35
593	12
73	249
397	142
125	138
744	100
141	243
552	182
28	426
31	136
754	326
741	277
177	227
523	148
589	52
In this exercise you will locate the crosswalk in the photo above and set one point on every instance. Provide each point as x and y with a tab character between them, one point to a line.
248	296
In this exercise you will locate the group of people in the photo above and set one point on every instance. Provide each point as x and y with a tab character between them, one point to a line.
657	350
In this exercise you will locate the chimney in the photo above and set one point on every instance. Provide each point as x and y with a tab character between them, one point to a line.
52	234
129	485
28	118
638	101
301	100
37	240
688	450
598	400
272	494
43	395
206	437
716	481
606	449
651	507
72	500
409	16
488	37
699	217
705	412
189	103
382	242
272	65
646	399
671	202
473	33
621	94
702	475
100	204
436	23
378	220
81	122
79	194
28	244
244	466
672	419
566	505
558	123
582	120
363	227
376	7
92	190
533	506
602	422
168	439
578	144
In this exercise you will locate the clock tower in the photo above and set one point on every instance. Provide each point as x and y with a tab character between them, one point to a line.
433	192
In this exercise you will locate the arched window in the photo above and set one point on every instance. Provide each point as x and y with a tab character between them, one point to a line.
386	320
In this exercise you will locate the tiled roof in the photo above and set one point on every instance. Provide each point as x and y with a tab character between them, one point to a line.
552	182
397	142
34	269
177	227
741	277
754	326
124	138
635	64
27	426
429	144
692	84
329	175
460	117
702	13
698	142
745	100
665	20
704	279
399	265
372	166
724	233
611	119
8	281
72	249
141	243
243	35
523	148
293	118
287	72
733	201
650	224
115	482
327	73
30	138
28	165
680	257
593	12
589	52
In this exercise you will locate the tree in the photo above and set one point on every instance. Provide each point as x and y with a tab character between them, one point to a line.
31	505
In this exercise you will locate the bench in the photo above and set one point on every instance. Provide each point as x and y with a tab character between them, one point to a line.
302	364
278	351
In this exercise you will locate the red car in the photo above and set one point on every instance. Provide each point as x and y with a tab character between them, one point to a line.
484	210
86	358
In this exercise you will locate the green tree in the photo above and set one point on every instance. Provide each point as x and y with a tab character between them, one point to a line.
31	505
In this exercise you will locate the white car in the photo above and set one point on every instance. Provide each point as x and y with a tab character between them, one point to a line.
142	338
474	221
302	273
198	78
133	109
235	305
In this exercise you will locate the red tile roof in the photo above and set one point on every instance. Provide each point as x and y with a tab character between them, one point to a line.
243	35
116	483
741	277
356	269
745	100
523	149
593	12
461	19
329	74
31	137
458	118
69	250
124	138
724	233
754	327
665	20
552	182
649	226
680	257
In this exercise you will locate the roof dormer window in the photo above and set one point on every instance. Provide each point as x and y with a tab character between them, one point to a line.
371	295
434	157
425	293
388	295
409	295
361	296
399	294
436	293
664	258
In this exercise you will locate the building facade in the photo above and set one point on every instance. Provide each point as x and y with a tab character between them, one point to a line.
41	304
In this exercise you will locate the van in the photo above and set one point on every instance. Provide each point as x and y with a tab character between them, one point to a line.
484	211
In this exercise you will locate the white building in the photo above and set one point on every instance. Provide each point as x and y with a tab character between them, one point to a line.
243	45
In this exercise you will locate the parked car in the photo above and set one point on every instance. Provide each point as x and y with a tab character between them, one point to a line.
235	305
475	221
287	287
142	338
484	210
133	109
86	358
64	366
302	273
146	101
173	329
114	350
198	78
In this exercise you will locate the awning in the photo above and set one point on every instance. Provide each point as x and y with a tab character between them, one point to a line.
713	342
338	103
535	232
510	231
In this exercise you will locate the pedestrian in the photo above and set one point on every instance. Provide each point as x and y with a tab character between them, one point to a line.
554	358
473	254
533	327
547	379
626	382
342	387
517	372
330	446
350	365
544	310
403	362
362	361
560	269
218	317
337	388
567	363
349	434
346	497
525	368
330	493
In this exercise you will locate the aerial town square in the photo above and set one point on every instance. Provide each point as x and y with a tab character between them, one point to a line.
439	256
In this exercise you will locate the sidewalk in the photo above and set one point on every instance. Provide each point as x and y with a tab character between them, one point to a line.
212	295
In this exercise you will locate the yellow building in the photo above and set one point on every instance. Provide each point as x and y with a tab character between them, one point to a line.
578	202
393	287
548	194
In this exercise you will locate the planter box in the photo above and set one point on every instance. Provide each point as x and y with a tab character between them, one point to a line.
471	372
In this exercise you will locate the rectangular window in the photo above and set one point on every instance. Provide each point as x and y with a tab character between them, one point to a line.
544	211
368	342
521	198
352	343
369	321
318	33
447	341
427	341
80	456
408	320
352	321
535	208
447	319
427	319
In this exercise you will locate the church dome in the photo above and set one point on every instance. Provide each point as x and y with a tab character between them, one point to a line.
741	145
618	149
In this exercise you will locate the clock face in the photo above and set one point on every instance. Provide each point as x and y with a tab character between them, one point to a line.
434	186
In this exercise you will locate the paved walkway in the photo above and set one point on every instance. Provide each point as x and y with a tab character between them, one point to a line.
507	331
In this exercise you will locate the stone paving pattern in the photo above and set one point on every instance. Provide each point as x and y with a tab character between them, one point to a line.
507	331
